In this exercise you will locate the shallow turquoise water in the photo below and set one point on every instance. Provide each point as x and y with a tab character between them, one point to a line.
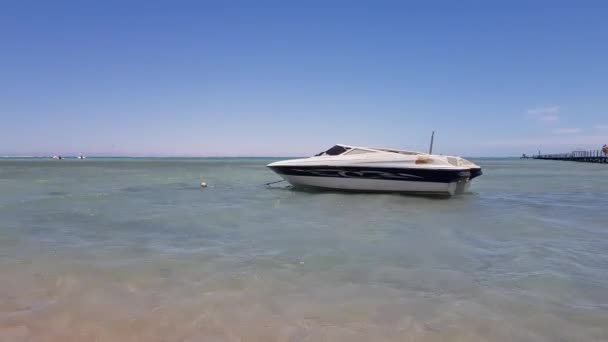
135	250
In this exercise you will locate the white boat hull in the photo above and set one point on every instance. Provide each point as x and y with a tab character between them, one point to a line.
378	185
379	170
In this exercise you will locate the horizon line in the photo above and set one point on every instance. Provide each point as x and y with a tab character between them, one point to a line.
186	156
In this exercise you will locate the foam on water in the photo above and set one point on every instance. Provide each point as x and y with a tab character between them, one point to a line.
135	250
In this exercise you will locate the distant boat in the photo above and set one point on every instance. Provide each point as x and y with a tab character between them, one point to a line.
80	156
57	157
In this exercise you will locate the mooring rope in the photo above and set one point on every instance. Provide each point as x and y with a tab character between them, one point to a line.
279	181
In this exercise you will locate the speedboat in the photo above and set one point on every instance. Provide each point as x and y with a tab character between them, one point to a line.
345	167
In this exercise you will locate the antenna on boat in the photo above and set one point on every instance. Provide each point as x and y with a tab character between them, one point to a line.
432	138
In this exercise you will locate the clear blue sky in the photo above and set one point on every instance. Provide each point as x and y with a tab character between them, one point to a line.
294	77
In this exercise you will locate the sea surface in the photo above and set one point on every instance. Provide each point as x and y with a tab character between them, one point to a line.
135	250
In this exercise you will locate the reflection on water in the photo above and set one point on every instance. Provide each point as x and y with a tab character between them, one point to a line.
134	250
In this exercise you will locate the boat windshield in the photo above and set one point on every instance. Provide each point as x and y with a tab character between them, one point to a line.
334	151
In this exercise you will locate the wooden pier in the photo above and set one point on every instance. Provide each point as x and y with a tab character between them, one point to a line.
595	156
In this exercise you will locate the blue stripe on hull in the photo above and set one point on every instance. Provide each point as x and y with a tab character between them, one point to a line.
396	174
